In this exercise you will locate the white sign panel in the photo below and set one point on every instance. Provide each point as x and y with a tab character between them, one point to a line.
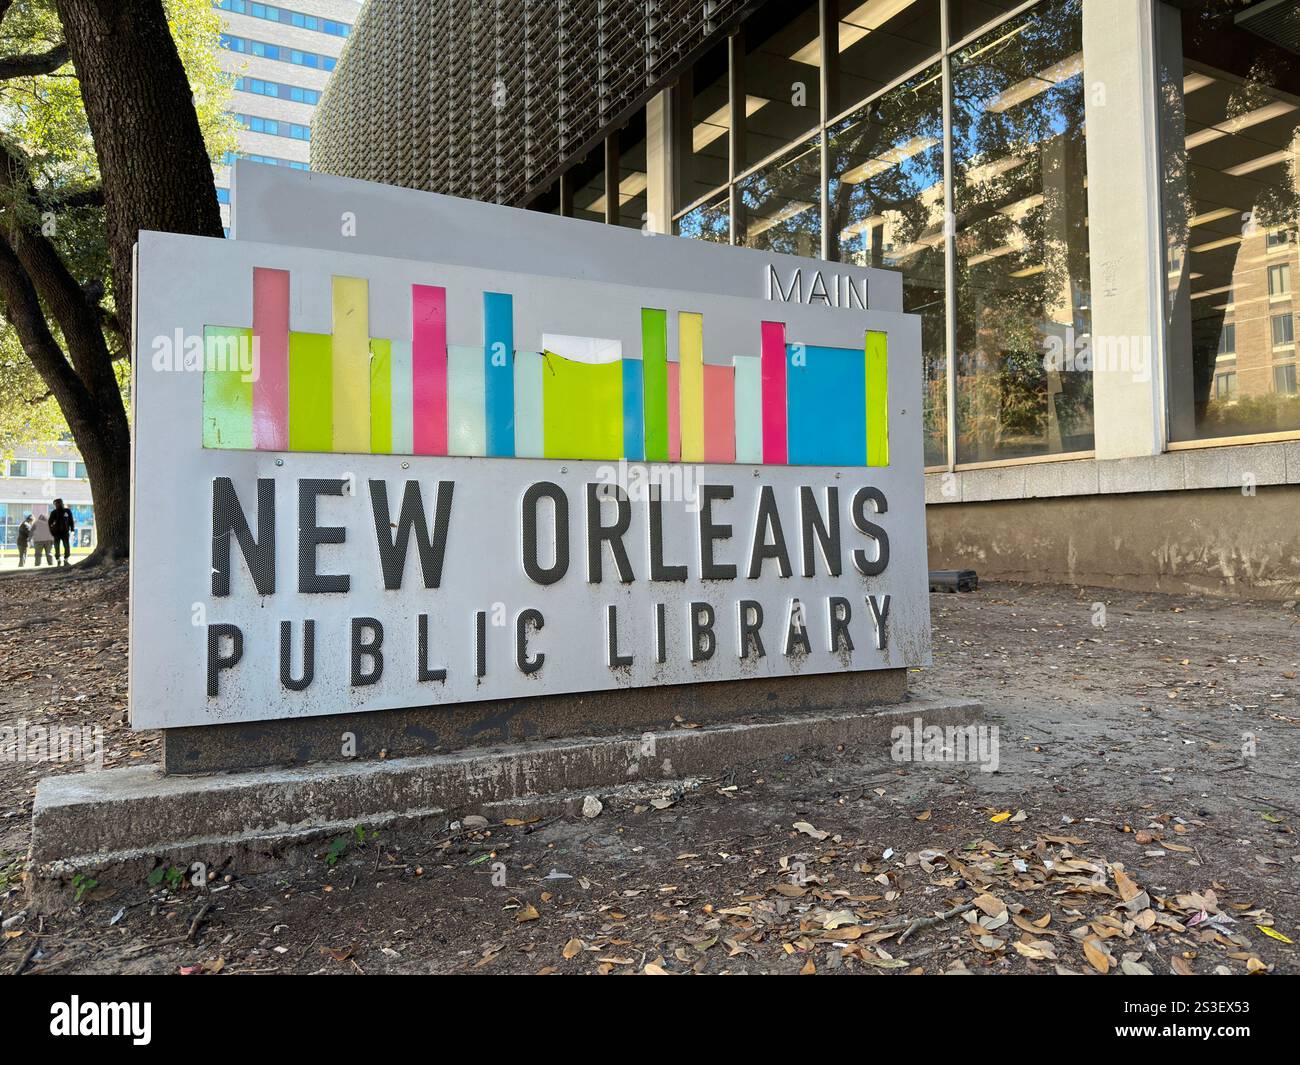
365	483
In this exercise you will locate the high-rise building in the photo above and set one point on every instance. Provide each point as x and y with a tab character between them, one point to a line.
281	57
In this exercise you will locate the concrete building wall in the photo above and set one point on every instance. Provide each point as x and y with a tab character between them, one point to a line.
1203	541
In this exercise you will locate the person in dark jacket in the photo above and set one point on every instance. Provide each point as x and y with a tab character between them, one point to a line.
24	537
62	525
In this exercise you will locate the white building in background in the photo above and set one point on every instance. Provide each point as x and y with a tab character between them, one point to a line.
281	56
32	477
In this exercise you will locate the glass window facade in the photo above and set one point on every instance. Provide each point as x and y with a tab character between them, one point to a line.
781	72
1024	385
886	209
1230	112
778	207
1002	287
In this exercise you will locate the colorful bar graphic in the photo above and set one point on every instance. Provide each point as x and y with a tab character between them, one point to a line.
674	413
499	372
583	408
351	364
749	409
633	410
271	333
227	387
381	397
690	354
719	398
877	347
530	428
774	402
429	369
311	391
826	416
268	388
401	379
654	374
466	401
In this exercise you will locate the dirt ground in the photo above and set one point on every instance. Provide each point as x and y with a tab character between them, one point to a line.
1142	819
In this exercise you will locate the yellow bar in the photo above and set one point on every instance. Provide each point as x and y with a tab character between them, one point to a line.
690	353
877	352
351	364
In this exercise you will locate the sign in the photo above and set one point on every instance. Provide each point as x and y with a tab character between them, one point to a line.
277	205
365	483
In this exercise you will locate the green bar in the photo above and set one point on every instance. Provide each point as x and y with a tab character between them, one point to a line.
311	392
654	369
877	347
381	397
227	387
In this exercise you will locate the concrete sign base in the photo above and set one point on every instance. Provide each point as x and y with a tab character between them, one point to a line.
466	726
134	817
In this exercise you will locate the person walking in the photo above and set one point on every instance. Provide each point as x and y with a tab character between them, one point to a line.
24	537
42	539
62	524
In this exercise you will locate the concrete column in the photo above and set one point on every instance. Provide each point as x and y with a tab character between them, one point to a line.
659	163
1125	237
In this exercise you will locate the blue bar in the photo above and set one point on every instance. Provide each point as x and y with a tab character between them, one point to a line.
633	411
499	372
826	394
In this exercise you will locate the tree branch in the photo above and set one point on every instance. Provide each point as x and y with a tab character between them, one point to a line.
87	197
26	66
78	316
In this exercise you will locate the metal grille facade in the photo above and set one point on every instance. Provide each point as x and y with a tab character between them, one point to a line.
492	99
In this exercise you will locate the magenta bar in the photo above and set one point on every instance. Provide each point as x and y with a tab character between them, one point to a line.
271	370
429	369
773	357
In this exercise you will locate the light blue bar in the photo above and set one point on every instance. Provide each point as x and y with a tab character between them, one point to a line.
749	408
530	423
466	423
633	411
499	373
400	370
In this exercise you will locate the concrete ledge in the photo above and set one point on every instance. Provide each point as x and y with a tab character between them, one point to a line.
1265	463
137	815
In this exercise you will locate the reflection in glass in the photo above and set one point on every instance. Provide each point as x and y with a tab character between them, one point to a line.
1230	111
589	186
881	40
967	16
782	77
778	207
632	179
1024	359
709	221
703	127
886	210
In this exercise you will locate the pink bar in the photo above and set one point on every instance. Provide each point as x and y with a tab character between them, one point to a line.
674	412
271	383
719	414
429	369
774	425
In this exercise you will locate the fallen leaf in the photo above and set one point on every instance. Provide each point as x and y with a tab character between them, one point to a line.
1096	954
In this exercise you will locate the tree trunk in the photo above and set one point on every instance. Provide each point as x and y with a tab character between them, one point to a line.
155	167
156	175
